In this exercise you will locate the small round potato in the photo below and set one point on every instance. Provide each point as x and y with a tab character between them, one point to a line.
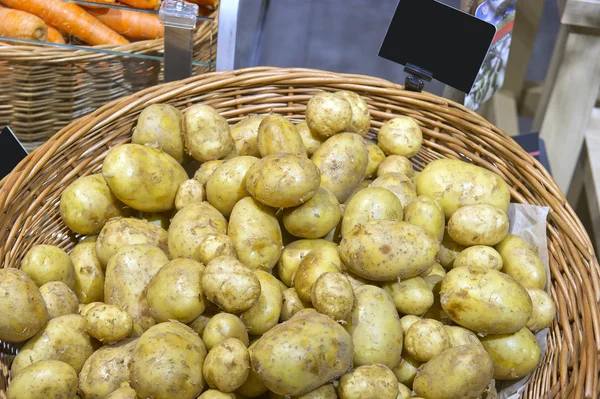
189	191
373	381
479	255
361	119
479	224
230	285
206	170
372	203
376	156
23	310
222	326
328	114
206	133
216	394
161	124
515	355
449	251
521	261
283	180
411	296
426	212
311	141
87	204
265	312
245	134
461	336
45	263
227	185
543	312
45	379
400	136
291	304
227	365
426	339
277	135
108	323
59	298
315	218
89	276
212	246
398	184
313	265
408	320
292	255
395	164
333	296
175	292
407	370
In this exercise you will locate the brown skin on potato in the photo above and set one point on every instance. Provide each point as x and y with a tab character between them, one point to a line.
374	381
227	365
277	135
479	224
161	125
45	379
89	275
206	134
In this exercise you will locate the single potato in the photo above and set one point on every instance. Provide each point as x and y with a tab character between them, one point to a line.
189	191
398	184
521	261
406	371
543	312
373	381
311	141
479	224
108	323
87	204
216	394
328	114
227	365
361	118
426	212
315	218
89	275
333	296
161	125
313	265
227	185
426	339
515	355
411	296
292	304
292	255
372	203
277	135
408	320
375	156
45	379
206	170
222	326
245	134
212	246
395	164
400	136
206	134
60	299
449	251
480	256
45	263
265	312
461	336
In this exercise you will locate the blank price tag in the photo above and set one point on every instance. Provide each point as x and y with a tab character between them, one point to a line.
448	43
11	151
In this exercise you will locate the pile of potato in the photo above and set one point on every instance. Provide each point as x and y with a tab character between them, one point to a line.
301	260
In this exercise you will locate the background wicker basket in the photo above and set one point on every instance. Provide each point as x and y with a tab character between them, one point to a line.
30	195
45	88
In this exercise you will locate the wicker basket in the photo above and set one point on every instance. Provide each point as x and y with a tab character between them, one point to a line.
30	194
46	88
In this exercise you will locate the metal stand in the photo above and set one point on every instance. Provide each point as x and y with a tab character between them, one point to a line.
179	19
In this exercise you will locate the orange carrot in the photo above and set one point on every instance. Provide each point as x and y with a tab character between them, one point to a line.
133	24
148	4
100	2
54	36
71	18
209	3
22	25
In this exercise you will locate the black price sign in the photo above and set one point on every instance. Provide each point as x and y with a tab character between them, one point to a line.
11	152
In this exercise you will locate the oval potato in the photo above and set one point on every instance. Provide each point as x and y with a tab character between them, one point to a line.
222	326
479	255
227	185
373	381
60	299
45	379
206	133
315	218
398	184
245	134
426	212
521	261
461	336
227	365
544	310
162	125
411	296
292	304
400	136
265	312
277	135
514	355
426	339
108	323
89	275
480	224
372	203
328	114
46	263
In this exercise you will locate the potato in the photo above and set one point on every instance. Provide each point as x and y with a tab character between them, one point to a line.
455	184
333	296
84	309
206	170
403	391
128	231
255	233
108	323
479	224
375	157
230	285
411	296
245	134
265	312
342	161
106	369
168	358
371	203
221	327
87	204
127	275
400	136
461	336
311	141
328	114
315	218
189	227
373	381
59	299
461	372
206	134
292	304
480	256
46	379
283	180
311	267
466	295
426	339
293	254
63	338
407	370
142	177
277	135
395	164
426	212
436	270
521	262
175	292
514	355
227	185
383	250
326	391
543	312
375	328
89	276
161	125
449	251
23	310
408	320
216	394
398	184
361	119
45	263
227	364
189	191
302	354
212	246
125	392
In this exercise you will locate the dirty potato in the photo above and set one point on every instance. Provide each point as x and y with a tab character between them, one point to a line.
313	265
206	170
426	339
227	185
245	134
45	263
206	134
372	203
222	326
292	255
212	246
400	136
461	336
60	299
315	218
361	118
514	355
333	296
373	381
328	114
277	135
108	323
479	224
398	184
227	365
479	255
45	379
449	251
189	191
89	275
292	304
426	212
161	125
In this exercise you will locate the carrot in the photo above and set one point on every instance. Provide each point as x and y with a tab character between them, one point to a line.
133	24
54	36
209	3
148	4
22	25
100	2
71	18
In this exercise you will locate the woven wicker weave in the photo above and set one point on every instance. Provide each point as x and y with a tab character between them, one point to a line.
45	88
29	196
